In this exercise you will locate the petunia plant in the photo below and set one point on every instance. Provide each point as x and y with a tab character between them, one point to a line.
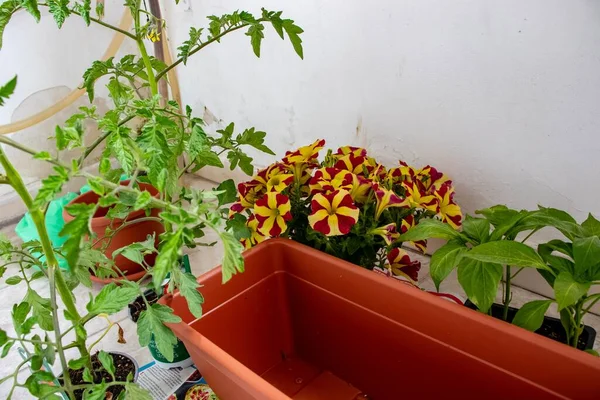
346	204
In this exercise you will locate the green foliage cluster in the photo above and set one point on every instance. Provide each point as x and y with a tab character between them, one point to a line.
152	140
486	251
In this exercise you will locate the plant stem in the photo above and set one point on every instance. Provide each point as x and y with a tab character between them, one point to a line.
200	47
506	294
140	42
99	22
577	328
52	264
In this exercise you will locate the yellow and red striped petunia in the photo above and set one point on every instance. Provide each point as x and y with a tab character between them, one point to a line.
352	163
387	232
431	178
403	173
386	199
356	151
361	188
329	179
401	265
248	193
272	211
307	154
407	223
333	214
377	172
255	236
447	209
274	178
415	194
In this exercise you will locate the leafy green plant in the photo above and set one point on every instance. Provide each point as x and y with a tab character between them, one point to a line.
573	268
145	136
487	250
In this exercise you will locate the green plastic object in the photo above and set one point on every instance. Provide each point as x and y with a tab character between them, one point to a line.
54	223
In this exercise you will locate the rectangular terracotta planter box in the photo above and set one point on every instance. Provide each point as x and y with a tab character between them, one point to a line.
300	324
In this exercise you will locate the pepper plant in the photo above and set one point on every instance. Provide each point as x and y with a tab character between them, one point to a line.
574	269
487	250
145	136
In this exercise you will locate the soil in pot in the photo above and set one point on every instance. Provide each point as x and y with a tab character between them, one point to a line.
124	367
138	305
551	327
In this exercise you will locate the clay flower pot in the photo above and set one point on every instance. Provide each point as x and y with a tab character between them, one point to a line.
300	324
137	232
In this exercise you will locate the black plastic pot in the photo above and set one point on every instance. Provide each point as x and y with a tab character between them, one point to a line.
551	327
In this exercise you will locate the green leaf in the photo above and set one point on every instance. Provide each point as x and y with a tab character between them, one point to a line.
586	254
112	298
14	280
51	186
591	226
7	9
510	227
69	137
531	315
507	252
98	69
78	363
107	362
186	47
444	260
41	310
158	155
430	228
197	142
122	147
168	256
120	93
152	322
559	264
142	201
97	391
99	10
207	157
256	36
19	315
87	375
238	157
229	194
32	8
43	155
498	214
7	348
568	291
76	230
592	352
480	281
237	226
233	262
3	337
84	9
255	139
188	287
553	217
293	31
59	10
476	228
135	392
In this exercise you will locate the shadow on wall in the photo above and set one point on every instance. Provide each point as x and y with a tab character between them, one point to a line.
39	135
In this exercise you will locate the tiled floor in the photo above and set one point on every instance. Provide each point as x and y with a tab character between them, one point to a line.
202	259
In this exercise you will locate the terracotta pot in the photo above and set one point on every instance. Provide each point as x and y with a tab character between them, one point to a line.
301	324
130	234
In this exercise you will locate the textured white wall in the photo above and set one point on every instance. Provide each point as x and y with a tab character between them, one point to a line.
504	96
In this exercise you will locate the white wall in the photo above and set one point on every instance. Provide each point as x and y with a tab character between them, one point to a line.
504	96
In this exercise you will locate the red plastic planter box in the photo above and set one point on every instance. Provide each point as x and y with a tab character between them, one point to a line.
304	325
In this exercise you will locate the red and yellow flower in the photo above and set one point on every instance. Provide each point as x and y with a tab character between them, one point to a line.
255	236
403	173
306	154
333	214
386	199
361	188
272	211
447	209
388	232
356	151
353	163
431	178
418	198
401	265
330	179
407	223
